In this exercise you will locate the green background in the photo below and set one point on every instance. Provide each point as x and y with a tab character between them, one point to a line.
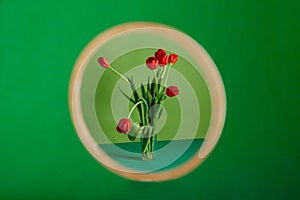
255	45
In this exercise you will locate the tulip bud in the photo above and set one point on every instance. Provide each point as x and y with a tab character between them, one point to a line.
103	62
173	58
124	126
152	63
162	57
172	91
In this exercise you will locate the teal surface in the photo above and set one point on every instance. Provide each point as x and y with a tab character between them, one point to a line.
255	45
166	156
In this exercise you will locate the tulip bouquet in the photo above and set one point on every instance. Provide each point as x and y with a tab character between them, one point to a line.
147	99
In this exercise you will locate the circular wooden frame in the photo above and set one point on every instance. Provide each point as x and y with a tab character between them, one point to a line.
213	80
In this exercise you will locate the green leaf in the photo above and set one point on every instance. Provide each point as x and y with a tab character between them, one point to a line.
156	90
145	110
131	138
160	112
152	89
143	91
148	85
136	98
149	98
161	98
135	93
130	99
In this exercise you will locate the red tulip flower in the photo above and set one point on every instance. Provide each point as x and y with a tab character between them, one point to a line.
173	58
172	91
124	126
162	57
152	63
103	62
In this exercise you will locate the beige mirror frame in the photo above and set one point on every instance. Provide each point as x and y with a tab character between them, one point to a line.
213	80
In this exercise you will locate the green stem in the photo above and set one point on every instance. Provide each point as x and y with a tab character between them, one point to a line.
158	72
148	143
135	105
167	75
154	74
163	73
119	74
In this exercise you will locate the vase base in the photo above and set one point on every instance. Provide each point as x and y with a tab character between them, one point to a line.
148	156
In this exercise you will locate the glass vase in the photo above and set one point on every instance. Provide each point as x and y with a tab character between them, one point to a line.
148	147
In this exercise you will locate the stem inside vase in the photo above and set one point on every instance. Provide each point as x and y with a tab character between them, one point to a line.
148	147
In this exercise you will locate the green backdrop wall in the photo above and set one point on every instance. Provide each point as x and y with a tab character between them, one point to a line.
255	45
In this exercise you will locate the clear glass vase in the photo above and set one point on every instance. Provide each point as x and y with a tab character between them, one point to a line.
148	147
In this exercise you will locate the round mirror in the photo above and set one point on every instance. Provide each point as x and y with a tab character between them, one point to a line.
147	101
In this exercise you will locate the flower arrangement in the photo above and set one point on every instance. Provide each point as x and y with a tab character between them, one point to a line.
147	99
